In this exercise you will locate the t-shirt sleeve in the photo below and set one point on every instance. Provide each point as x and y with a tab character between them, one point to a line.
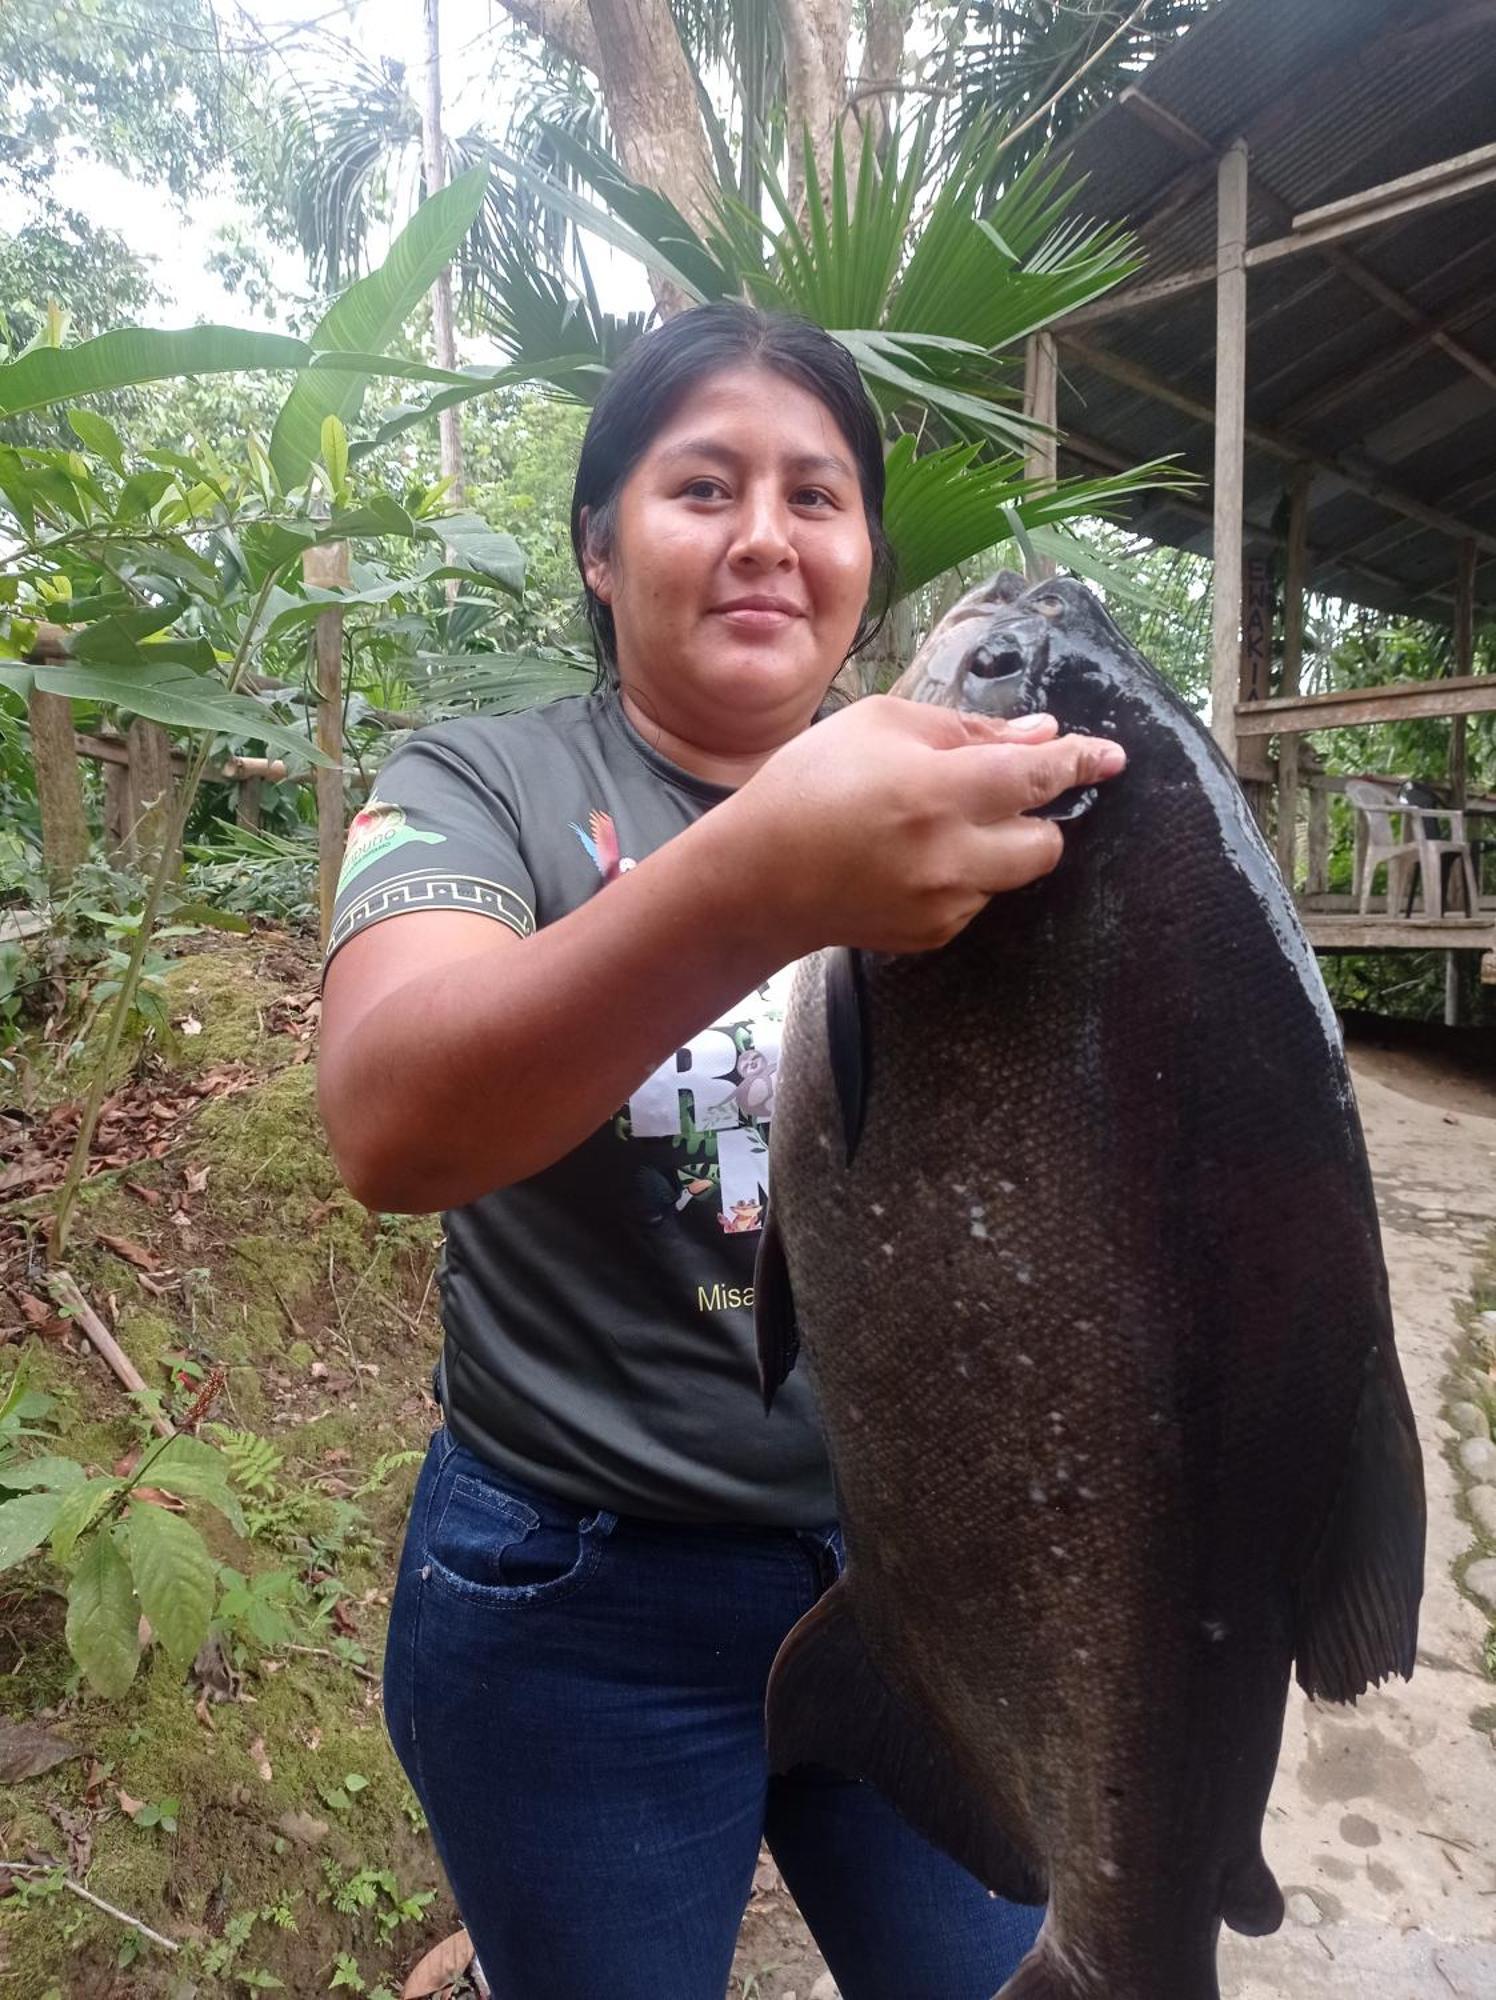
433	836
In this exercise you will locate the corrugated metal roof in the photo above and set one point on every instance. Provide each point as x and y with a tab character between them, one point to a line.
1332	97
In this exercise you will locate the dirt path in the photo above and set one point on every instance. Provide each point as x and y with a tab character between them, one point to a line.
1382	1828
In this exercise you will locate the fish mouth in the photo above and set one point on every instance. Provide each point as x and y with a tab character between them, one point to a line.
998	676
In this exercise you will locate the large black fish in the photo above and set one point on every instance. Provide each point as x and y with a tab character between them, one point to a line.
1078	1224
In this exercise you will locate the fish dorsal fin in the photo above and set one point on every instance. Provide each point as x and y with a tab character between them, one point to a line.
828	1704
1357	1602
848	1039
774	1325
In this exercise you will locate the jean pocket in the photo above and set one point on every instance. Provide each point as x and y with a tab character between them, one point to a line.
488	1543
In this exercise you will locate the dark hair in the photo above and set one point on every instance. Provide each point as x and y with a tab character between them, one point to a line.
642	391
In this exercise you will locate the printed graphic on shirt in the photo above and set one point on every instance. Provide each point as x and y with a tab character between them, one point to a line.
601	844
700	1123
377	831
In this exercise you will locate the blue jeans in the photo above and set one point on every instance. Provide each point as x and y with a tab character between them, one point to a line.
577	1699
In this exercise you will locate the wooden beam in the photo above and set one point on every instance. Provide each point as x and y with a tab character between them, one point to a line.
1327	932
1295	578
1425	333
1425	182
1040	396
1350	708
1360	476
1230	445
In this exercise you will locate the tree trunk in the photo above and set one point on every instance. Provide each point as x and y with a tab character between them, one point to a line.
815	67
650	94
882	61
434	162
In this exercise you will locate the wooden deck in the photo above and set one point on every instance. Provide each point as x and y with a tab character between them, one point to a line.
1345	929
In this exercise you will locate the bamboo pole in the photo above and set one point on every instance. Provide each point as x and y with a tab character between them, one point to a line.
1230	442
434	169
1290	679
326	568
1041	401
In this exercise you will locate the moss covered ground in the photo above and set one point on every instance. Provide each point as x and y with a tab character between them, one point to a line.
295	1852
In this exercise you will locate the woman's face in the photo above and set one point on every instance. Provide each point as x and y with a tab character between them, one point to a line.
739	566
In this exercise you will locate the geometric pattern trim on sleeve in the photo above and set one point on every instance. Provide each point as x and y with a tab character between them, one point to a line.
423	891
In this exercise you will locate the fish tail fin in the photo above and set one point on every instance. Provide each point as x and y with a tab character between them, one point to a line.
1043	1976
1050	1973
1357	1603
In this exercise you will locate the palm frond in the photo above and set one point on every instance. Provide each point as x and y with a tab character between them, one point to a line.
951	505
497	683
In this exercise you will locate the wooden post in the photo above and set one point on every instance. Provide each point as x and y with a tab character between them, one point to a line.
1230	442
247	805
326	568
1462	663
1317	878
59	781
1041	402
1254	684
149	789
1291	676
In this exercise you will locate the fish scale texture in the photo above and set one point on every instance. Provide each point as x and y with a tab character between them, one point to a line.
1093	1312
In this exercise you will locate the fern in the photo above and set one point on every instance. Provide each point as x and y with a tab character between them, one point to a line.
253	1461
387	1463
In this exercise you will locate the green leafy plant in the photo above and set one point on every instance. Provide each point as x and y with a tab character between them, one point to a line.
124	1557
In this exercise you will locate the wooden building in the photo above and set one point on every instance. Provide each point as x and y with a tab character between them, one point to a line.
1314	334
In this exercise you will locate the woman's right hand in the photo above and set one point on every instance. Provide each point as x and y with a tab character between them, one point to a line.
890	825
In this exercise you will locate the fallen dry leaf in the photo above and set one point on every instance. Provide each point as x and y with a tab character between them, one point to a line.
196	1179
132	1252
442	1965
36	1311
26	1750
128	1805
260	1761
190	1025
150	1196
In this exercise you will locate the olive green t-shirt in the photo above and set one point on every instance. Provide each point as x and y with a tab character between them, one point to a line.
598	1316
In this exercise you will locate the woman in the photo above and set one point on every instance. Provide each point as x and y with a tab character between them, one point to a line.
609	1540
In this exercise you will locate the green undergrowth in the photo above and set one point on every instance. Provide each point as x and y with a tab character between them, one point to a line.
279	1840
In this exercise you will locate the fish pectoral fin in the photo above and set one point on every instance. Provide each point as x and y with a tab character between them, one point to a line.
1357	1603
848	1039
774	1324
828	1704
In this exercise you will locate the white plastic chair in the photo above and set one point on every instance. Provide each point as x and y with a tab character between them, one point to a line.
1386	842
1434	848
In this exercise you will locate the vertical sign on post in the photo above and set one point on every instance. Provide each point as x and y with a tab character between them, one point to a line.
1256	661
